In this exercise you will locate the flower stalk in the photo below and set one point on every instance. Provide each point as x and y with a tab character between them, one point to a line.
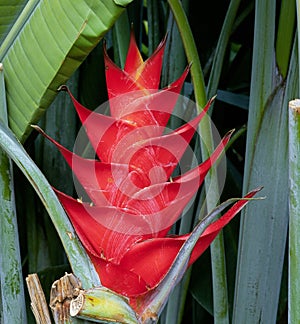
207	144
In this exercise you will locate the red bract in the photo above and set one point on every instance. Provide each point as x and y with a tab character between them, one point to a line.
133	199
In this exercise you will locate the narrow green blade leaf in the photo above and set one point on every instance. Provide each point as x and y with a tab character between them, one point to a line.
154	36
205	131
285	35
11	279
121	35
79	261
174	63
51	41
263	230
294	212
219	276
253	265
221	47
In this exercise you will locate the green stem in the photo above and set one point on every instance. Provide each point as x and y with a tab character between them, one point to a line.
211	181
217	248
294	212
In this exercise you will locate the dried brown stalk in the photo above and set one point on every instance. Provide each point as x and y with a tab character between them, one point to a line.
38	301
62	292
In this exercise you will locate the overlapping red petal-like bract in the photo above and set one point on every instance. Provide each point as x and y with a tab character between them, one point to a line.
133	201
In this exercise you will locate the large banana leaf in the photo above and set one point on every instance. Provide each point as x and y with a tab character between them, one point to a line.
46	43
9	12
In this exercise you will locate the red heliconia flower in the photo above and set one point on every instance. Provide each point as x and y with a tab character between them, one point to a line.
133	199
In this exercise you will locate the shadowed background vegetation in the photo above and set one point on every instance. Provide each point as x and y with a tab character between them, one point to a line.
248	55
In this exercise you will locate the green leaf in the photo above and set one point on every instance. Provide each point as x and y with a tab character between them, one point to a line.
9	12
235	99
220	290
173	65
11	279
121	36
201	282
285	35
49	41
92	78
174	58
221	47
211	181
154	37
122	2
263	230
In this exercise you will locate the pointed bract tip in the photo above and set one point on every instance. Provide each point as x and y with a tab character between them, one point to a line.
187	69
132	30
161	44
213	98
38	128
190	64
63	88
165	37
253	192
258	189
229	133
105	50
